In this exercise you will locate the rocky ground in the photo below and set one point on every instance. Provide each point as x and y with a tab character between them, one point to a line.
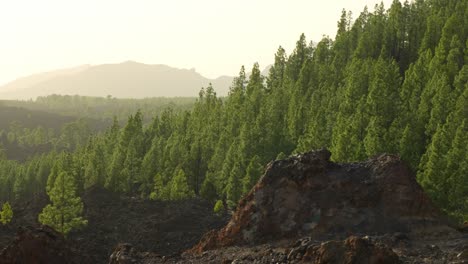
305	209
165	227
395	248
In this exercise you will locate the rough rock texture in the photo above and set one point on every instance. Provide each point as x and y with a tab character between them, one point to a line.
463	256
308	195
126	254
41	245
352	250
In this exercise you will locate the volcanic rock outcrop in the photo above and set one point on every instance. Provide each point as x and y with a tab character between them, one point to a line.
308	195
37	246
352	250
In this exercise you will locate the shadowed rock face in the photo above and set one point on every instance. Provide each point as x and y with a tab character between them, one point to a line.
37	246
308	195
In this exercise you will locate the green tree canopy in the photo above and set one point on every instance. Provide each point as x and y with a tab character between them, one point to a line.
6	214
65	211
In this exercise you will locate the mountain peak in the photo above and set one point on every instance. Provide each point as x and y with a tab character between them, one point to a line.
128	79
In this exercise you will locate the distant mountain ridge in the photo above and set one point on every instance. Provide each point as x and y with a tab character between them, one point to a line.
123	80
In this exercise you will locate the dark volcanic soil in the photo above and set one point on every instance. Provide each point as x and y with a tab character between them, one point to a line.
165	228
25	214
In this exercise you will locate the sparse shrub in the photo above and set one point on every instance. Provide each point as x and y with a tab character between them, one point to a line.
6	214
219	207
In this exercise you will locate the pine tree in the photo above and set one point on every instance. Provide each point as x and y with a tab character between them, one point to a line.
383	97
252	174
234	187
376	138
456	171
179	187
132	165
276	75
197	165
2	152
95	171
160	191
112	135
6	214
347	138
298	106
295	62
412	128
416	78
64	212
130	139
408	147
432	165
232	157
150	166
20	184
443	98
208	189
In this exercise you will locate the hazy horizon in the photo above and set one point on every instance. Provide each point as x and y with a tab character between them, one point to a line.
213	37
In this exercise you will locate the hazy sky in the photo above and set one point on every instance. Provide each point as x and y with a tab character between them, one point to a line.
214	36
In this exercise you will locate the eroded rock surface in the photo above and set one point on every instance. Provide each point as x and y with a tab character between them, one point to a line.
37	246
352	250
308	195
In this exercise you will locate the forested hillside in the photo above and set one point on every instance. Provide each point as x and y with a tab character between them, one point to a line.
392	81
102	107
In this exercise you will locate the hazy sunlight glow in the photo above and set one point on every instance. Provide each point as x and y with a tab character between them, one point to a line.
216	37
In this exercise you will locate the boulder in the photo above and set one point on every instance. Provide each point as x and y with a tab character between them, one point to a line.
309	195
37	246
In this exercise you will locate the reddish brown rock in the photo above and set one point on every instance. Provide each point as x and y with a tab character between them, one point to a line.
37	246
308	195
352	250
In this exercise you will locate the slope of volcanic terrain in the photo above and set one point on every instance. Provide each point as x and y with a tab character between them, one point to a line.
305	209
309	209
164	227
